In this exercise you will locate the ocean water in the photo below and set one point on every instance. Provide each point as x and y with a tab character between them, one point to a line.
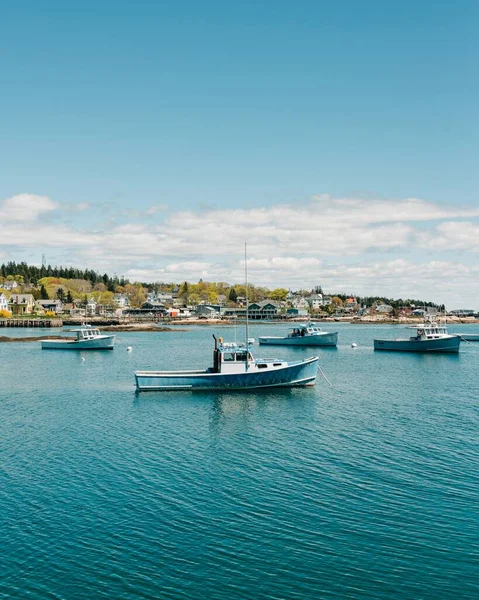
366	489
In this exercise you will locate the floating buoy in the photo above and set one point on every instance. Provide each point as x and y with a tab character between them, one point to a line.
354	345
129	349
83	358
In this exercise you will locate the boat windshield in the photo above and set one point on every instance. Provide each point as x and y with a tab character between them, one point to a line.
239	356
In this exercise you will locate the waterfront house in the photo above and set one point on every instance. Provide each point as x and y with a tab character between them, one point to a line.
233	312
3	302
297	312
21	304
208	310
267	309
55	306
153	307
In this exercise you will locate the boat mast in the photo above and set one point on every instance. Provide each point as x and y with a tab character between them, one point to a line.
247	308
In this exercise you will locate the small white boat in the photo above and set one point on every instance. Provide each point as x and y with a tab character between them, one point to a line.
234	368
303	335
86	338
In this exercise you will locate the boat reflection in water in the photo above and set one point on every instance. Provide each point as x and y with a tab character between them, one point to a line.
234	368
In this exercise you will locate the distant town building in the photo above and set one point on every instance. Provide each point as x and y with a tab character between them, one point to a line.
55	306
9	285
91	306
21	304
3	302
351	304
267	309
121	300
315	301
297	312
384	309
463	312
208	310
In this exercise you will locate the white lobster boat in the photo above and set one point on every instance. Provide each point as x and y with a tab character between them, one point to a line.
431	336
86	338
303	335
234	368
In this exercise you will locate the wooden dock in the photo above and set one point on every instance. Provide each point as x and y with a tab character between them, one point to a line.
31	322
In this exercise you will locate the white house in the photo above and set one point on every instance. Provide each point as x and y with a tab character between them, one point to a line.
300	302
315	301
121	300
91	306
3	302
9	285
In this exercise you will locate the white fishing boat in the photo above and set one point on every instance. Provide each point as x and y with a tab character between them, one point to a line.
86	338
308	334
431	336
234	368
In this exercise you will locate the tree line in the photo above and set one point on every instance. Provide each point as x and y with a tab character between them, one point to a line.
31	275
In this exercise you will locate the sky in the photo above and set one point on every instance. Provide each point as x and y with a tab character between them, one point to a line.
339	140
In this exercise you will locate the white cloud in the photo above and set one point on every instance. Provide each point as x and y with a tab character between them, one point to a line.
289	245
25	207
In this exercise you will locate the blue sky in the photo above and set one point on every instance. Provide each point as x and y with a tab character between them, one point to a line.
127	119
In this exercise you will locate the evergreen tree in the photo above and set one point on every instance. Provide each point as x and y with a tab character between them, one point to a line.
233	296
61	294
69	297
43	293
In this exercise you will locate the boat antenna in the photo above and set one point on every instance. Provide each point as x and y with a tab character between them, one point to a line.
247	307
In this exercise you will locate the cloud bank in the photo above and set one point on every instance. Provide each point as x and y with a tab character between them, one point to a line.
408	247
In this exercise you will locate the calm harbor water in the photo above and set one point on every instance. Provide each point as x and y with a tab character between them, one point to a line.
367	489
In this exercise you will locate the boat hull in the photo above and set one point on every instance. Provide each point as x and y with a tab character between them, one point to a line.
447	344
297	374
469	337
103	343
323	339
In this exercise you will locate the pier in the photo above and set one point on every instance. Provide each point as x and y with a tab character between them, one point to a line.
31	323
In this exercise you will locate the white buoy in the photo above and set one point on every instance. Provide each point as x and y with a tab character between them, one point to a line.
129	349
354	345
83	358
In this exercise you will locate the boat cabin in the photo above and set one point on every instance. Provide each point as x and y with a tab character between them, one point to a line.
86	333
431	332
230	357
309	329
